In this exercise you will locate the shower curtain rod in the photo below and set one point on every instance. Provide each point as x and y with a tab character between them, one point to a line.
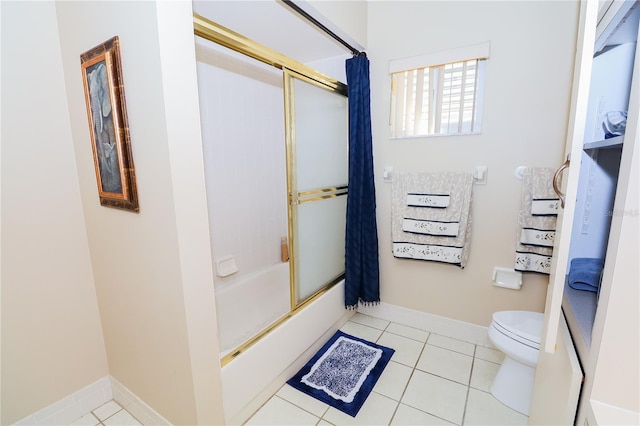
318	24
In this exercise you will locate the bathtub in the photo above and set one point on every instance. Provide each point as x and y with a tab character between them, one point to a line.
248	305
250	379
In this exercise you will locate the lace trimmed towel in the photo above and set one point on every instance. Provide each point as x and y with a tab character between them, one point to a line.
536	221
431	216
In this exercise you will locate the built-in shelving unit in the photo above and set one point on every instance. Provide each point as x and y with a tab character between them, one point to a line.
610	87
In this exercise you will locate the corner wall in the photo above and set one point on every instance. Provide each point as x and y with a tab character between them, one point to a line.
52	341
526	105
152	270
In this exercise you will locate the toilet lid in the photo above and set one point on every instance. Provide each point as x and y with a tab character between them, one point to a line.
523	326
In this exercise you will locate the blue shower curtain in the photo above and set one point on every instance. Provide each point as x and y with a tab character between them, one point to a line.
362	279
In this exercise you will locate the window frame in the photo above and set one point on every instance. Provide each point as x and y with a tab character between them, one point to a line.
435	64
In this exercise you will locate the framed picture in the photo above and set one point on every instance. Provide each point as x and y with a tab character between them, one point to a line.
107	113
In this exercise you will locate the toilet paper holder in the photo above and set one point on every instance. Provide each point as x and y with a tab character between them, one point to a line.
507	278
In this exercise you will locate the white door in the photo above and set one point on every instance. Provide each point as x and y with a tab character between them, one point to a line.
570	177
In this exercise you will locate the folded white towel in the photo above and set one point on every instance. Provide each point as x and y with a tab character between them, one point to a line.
536	221
431	230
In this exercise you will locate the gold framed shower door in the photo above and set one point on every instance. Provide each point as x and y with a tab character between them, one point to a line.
292	70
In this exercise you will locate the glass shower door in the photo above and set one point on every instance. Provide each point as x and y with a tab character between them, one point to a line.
317	151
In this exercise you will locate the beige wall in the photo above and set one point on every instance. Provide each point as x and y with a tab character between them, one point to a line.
52	341
526	102
348	15
152	270
175	25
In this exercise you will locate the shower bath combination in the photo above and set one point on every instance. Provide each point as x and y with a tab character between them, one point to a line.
276	194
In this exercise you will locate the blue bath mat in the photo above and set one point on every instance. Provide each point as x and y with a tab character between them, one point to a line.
343	372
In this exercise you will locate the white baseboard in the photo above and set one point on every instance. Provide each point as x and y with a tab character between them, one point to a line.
135	406
460	330
71	408
87	399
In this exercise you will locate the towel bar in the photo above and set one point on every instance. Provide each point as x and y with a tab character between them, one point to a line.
519	172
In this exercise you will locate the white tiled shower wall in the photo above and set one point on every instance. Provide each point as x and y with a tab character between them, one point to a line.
242	119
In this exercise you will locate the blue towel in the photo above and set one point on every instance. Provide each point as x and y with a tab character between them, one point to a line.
585	273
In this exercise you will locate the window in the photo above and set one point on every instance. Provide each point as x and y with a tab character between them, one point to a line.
438	94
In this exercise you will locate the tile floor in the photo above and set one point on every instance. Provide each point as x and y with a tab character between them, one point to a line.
431	380
109	414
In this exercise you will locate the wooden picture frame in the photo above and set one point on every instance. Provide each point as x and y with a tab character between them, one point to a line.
108	125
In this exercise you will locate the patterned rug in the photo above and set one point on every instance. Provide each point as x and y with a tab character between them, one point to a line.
343	372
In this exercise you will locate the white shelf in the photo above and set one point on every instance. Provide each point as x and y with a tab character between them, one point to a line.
611	143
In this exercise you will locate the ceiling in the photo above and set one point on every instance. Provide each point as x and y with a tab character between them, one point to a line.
273	24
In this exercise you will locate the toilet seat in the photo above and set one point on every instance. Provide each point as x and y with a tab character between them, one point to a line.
522	326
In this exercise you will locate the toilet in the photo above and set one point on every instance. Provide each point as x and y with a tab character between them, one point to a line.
517	334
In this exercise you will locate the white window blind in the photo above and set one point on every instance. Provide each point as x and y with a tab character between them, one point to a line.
439	94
